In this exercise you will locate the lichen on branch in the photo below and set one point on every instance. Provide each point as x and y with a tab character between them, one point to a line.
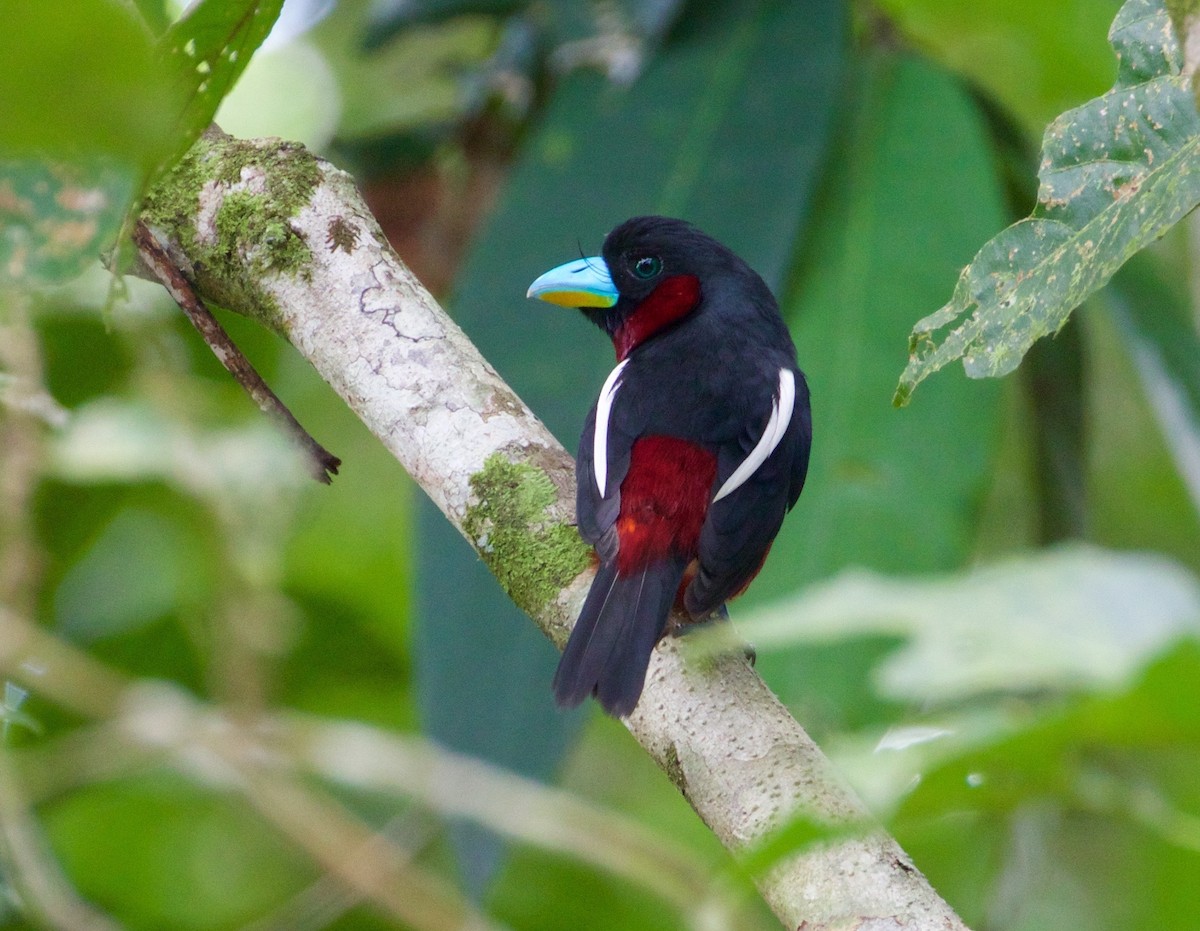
533	556
229	203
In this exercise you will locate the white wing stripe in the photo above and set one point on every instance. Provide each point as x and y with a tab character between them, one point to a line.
600	436
777	424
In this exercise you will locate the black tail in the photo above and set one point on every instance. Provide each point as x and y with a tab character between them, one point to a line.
622	619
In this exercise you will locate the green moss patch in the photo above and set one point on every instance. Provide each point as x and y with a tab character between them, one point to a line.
263	187
533	557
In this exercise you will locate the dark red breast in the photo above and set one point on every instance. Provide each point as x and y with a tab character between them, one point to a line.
664	500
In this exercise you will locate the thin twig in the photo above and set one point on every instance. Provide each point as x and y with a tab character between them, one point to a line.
322	463
21	451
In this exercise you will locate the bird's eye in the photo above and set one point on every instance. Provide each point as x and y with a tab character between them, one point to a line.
647	267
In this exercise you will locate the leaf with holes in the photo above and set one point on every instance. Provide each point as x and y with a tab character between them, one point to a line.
1116	174
207	50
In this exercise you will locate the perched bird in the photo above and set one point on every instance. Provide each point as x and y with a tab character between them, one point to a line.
693	453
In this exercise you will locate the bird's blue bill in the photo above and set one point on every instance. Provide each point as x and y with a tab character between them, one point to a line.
581	283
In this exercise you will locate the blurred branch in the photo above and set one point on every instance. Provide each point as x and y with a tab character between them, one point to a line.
353	309
23	402
363	860
30	866
218	749
326	900
264	758
58	671
367	759
25	857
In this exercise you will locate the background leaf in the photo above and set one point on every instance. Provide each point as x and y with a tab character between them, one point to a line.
134	574
868	464
870	467
1152	317
1116	174
1035	59
206	51
1071	618
1051	802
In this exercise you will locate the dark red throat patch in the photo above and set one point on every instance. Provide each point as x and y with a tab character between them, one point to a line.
671	301
664	500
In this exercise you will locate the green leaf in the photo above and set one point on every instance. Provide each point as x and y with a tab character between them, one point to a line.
56	217
206	51
1155	323
85	113
1035	58
99	109
888	492
1065	790
1116	174
80	78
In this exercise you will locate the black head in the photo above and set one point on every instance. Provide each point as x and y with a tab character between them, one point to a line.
654	274
644	251
664	270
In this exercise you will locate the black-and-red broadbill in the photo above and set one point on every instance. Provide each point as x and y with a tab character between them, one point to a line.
694	451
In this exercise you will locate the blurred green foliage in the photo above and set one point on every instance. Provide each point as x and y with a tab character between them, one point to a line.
1023	717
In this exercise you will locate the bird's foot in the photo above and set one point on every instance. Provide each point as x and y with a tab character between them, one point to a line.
681	628
714	628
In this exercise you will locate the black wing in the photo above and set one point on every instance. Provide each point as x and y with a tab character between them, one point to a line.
740	528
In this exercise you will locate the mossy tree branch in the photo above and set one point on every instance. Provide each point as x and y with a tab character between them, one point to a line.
271	232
